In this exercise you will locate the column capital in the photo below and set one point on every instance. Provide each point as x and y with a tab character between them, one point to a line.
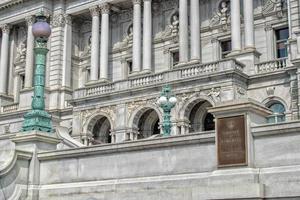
29	20
136	1
68	19
104	8
94	11
5	28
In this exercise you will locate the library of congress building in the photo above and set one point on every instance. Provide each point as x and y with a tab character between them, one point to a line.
149	99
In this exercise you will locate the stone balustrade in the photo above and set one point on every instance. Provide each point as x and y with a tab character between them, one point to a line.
10	108
271	66
147	80
183	73
198	69
102	89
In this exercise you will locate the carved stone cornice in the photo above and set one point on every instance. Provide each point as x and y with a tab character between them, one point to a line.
104	8
5	28
9	4
94	11
136	1
30	20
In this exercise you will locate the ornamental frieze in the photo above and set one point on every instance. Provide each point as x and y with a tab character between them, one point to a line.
110	111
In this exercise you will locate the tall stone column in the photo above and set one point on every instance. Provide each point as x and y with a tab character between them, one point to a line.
235	25
67	55
249	25
183	31
195	30
104	41
29	53
4	58
137	36
147	36
95	44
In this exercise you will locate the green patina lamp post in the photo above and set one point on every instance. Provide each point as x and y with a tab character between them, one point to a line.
166	102
38	119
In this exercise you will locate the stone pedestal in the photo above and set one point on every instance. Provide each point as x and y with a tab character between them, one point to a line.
36	140
234	141
25	98
249	57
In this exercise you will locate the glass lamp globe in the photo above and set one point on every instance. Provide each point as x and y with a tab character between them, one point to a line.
162	100
173	100
41	29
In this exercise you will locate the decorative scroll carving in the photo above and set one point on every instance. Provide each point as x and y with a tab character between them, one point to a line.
105	8
5	28
30	20
58	20
221	17
94	11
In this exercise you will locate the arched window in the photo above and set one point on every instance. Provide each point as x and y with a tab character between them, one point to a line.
278	114
209	123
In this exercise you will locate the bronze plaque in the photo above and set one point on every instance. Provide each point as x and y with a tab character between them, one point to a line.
231	138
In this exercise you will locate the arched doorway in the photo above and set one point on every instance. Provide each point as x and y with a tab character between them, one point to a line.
199	118
148	124
100	129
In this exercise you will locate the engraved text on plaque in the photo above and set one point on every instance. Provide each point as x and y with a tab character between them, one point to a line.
231	138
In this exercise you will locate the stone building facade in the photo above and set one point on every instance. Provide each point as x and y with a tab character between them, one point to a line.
107	63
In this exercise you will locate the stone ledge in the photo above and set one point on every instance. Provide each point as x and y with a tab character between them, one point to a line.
130	146
290	127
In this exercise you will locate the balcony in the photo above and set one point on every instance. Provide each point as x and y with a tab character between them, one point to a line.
186	72
271	66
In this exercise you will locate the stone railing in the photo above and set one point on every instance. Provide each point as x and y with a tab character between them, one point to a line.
10	108
100	89
147	80
271	66
182	73
196	70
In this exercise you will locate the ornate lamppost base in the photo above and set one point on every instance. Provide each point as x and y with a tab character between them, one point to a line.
38	120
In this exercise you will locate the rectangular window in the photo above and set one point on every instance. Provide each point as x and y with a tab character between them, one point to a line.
175	58
282	36
225	48
88	75
22	81
129	66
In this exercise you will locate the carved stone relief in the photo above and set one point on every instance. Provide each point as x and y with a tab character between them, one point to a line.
172	29
86	114
21	45
215	93
274	6
240	92
132	106
127	40
222	15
